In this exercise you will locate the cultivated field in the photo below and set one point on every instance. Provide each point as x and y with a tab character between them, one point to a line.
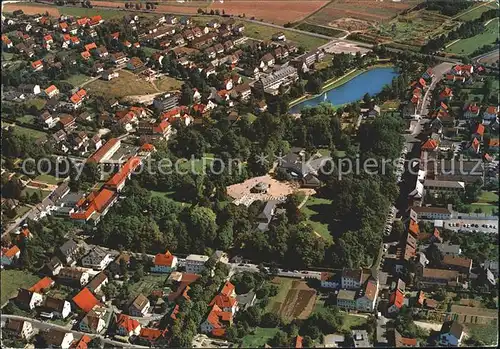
363	10
414	28
128	84
295	299
32	9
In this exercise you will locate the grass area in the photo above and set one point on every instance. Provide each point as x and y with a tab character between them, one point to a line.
487	202
316	211
11	280
77	79
128	84
284	285
7	56
259	337
468	46
26	119
488	196
21	210
319	29
31	133
149	50
251	117
148	284
166	83
390	105
38	103
82	12
30	191
351	321
475	13
47	179
487	333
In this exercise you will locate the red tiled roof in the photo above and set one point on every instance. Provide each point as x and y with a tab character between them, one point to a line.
11	252
422	82
63	25
81	93
164	259
126	170
99	154
50	89
47	37
494	142
147	147
42	285
90	46
152	334
473	108
430	144
476	144
437	235
223	301
82	21
492	110
414	228
227	289
75	99
85	54
397	298
36	64
85	300
298	342
127	322
95	19
75	40
480	129
82	343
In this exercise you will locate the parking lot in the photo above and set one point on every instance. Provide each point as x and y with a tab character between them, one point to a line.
472	225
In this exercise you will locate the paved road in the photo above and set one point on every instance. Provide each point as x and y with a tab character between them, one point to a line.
439	70
41	325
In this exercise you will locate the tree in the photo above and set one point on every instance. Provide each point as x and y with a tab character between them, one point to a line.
270	320
138	274
95	343
434	255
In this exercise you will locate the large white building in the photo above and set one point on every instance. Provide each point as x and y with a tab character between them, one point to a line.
195	263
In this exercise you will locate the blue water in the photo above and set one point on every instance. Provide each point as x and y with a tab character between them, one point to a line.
370	82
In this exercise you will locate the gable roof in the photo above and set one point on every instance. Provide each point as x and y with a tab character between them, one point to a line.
227	289
397	299
85	300
453	328
140	302
127	322
11	252
414	228
42	285
164	259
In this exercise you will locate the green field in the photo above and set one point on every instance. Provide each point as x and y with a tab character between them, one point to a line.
47	179
467	46
82	12
77	79
26	119
316	210
31	133
284	285
12	279
476	12
258	337
38	103
148	284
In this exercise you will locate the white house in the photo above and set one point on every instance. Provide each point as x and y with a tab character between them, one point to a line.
451	334
60	308
353	278
22	329
56	338
139	306
195	263
328	281
94	322
126	326
368	296
28	300
97	259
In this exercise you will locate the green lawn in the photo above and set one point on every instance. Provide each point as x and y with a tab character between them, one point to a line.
30	191
147	284
47	179
12	279
467	46
351	321
475	13
31	133
316	211
487	202
26	119
149	50
77	79
7	56
259	337
488	196
83	12
38	103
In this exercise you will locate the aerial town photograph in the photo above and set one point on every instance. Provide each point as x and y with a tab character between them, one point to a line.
249	173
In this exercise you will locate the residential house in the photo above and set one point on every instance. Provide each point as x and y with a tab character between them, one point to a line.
152	335
20	328
446	94
446	187
109	74
267	61
440	277
367	297
10	255
460	264
216	322
70	251
471	111
74	277
85	300
226	299
451	334
126	326
360	339
97	259
51	91
37	65
352	279
139	306
491	113
59	308
398	341
346	299
93	321
396	301
164	263
195	264
28	300
328	280
119	58
53	266
58	339
100	280
135	64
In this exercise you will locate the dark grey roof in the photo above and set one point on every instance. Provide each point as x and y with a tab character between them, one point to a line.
453	328
68	247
